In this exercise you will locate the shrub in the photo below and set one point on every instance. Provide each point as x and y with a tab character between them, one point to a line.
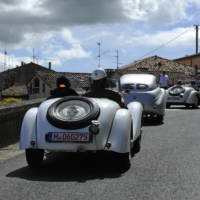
10	100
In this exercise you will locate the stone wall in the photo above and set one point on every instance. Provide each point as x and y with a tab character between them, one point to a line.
11	116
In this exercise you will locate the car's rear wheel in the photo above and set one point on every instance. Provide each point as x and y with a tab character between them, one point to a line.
187	106
136	145
168	105
195	104
123	160
160	118
34	157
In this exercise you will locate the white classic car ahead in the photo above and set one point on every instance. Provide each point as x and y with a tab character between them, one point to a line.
182	95
80	124
143	88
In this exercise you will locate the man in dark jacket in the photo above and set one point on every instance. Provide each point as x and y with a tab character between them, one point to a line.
63	88
98	88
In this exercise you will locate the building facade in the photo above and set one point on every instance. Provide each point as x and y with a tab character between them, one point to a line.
193	61
156	65
30	81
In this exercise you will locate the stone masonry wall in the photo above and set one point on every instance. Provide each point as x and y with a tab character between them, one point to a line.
11	116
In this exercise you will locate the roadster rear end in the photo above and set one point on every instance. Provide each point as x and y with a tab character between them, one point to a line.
79	124
182	95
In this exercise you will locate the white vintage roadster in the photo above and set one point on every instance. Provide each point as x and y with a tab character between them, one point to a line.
80	124
143	88
182	95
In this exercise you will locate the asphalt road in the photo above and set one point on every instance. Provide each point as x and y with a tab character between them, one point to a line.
168	168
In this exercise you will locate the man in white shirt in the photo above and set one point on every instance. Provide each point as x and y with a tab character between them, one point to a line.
164	79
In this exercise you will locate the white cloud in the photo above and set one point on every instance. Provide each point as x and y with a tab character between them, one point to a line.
34	16
30	41
67	36
55	48
158	11
34	7
63	30
175	37
75	52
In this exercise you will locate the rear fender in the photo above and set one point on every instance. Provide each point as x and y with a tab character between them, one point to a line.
29	129
161	100
136	110
191	97
119	137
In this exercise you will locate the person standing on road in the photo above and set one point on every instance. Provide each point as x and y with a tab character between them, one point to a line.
164	79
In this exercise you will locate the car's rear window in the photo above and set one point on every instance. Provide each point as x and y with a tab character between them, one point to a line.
128	87
138	86
141	86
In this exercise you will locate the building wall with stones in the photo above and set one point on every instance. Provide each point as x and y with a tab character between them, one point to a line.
193	61
37	88
174	76
156	65
11	116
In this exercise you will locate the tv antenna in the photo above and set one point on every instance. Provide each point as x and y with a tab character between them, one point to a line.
34	57
5	60
117	59
99	54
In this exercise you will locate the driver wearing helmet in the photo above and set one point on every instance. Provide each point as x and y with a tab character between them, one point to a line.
63	88
98	88
179	83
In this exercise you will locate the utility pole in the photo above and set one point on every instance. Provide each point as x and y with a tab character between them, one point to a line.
117	57
99	55
197	37
5	60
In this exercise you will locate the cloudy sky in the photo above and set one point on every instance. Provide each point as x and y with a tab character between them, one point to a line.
67	32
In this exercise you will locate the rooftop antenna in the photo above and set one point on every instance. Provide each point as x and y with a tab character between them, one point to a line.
33	55
117	59
99	55
5	60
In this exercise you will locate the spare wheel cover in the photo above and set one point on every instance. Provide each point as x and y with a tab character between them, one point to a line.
73	112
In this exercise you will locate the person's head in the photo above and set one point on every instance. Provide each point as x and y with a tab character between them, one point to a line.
163	72
63	82
99	78
192	82
179	82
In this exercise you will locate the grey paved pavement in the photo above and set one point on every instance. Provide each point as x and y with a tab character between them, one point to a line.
167	168
9	152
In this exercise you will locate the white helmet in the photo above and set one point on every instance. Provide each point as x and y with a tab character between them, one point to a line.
98	74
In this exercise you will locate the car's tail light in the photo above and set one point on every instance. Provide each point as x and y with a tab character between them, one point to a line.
94	127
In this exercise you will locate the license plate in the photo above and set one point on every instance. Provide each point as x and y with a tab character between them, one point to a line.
67	137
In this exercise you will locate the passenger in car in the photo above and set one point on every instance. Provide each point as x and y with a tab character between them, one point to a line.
179	83
194	85
98	88
63	88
